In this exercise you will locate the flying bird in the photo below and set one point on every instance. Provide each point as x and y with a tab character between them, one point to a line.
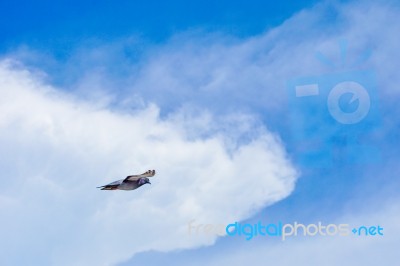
131	182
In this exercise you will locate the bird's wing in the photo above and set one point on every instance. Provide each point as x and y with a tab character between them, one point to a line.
148	173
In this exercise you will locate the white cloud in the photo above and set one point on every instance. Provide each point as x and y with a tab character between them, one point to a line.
365	25
57	148
288	52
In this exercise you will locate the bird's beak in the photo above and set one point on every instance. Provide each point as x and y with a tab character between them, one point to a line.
149	182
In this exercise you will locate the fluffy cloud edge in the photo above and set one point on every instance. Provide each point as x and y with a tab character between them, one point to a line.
51	140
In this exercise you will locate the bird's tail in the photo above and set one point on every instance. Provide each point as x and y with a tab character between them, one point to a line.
108	187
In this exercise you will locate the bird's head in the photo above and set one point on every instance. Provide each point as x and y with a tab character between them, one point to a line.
143	180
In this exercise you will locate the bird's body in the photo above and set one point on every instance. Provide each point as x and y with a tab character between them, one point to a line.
131	182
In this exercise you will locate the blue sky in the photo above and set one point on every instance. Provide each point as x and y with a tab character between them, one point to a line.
45	23
204	93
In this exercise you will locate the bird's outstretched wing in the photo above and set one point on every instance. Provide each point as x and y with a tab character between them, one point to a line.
148	173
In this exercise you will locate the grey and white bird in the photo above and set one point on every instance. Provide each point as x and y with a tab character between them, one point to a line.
131	182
